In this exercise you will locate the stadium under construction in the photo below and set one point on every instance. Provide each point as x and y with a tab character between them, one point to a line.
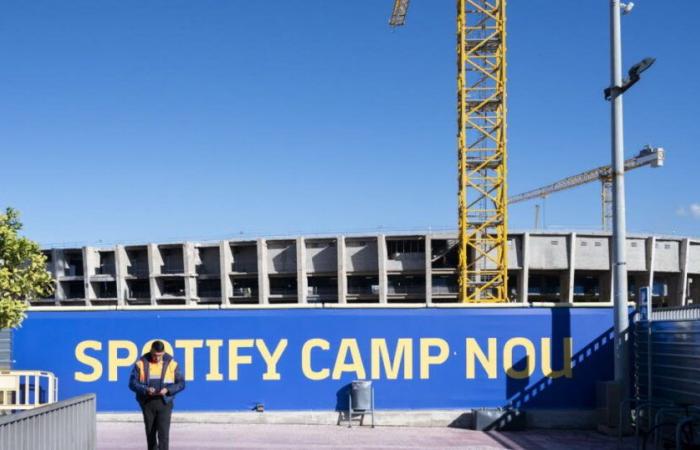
543	266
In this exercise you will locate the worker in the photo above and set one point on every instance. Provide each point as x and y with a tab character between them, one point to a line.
156	380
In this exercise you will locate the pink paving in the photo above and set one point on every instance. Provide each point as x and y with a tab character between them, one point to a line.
192	436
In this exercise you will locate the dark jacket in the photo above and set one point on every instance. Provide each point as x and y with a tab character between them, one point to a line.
170	378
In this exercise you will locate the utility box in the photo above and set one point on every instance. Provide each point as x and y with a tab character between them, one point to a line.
608	398
499	419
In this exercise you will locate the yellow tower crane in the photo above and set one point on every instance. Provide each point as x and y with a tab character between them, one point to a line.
481	147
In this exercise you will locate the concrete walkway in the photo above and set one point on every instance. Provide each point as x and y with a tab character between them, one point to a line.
191	436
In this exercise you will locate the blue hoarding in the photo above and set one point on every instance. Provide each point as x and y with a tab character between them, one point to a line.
303	359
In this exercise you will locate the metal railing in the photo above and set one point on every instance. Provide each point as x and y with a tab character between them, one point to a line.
245	292
241	267
27	389
405	290
451	289
69	424
322	290
690	312
209	293
137	270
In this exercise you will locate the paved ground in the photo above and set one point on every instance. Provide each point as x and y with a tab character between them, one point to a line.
191	436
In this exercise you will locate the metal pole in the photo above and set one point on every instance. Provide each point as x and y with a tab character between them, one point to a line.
619	226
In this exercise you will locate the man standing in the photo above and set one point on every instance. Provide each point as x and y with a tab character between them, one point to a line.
156	379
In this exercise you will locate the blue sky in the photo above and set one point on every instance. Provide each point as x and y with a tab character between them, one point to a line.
135	121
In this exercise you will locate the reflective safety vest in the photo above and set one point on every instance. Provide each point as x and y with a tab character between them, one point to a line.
167	371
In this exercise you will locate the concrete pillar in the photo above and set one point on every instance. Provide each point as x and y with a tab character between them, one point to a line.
383	280
263	278
683	283
428	269
59	262
89	265
189	261
610	289
120	271
342	271
58	271
651	261
88	269
571	273
153	271
225	261
524	281
302	281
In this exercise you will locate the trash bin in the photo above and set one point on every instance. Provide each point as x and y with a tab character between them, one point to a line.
361	395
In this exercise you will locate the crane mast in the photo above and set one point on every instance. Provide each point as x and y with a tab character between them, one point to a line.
482	203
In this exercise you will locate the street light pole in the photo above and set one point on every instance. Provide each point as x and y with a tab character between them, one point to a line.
619	224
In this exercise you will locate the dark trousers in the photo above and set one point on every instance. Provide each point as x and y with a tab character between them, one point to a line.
156	417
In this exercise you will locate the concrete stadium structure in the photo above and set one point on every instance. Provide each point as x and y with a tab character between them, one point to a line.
544	266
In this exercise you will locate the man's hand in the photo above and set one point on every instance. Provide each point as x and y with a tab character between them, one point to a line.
151	391
163	391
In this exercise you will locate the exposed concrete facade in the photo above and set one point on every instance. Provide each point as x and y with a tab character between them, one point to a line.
544	266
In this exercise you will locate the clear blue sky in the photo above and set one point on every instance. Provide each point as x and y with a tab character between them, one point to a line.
135	121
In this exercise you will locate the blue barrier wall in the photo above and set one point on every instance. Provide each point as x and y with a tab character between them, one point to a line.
303	359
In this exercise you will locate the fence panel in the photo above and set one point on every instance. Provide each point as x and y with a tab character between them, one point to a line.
68	424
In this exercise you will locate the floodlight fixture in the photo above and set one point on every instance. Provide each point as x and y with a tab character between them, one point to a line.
634	75
626	7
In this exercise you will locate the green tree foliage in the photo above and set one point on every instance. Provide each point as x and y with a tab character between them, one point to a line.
23	274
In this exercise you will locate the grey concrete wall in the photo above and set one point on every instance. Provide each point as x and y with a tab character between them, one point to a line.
361	254
321	255
282	256
548	252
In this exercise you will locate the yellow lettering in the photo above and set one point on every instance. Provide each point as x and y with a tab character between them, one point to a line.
404	352
355	365
488	363
271	360
508	358
89	361
214	371
234	359
115	361
310	373
547	359
189	345
147	347
426	359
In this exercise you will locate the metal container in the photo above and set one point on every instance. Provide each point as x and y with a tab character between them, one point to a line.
361	395
487	419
